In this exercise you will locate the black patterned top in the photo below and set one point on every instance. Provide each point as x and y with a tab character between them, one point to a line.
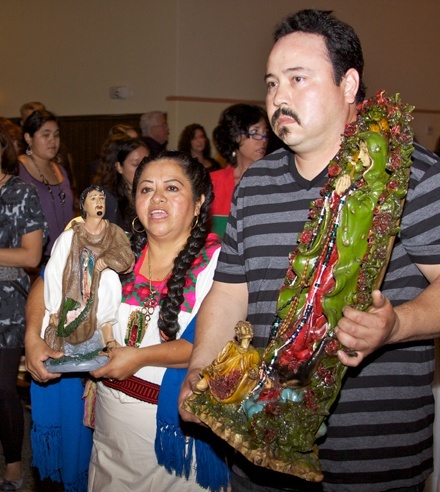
20	214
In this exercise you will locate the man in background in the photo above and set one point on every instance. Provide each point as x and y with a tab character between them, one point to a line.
155	131
27	108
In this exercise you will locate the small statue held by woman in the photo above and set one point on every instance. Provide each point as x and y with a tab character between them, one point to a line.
82	288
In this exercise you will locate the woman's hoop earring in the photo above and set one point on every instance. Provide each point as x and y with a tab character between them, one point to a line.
196	222
134	228
29	150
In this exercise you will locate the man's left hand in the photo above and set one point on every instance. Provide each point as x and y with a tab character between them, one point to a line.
365	331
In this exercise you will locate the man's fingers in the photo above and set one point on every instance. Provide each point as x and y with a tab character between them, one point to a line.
348	359
379	300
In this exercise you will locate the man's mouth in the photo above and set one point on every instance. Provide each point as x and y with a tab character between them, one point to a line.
284	116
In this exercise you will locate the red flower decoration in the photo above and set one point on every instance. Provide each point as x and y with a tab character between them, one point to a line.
350	129
334	170
392	185
269	394
306	237
395	130
318	203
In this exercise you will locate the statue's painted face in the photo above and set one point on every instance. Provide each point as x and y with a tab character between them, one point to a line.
364	155
94	204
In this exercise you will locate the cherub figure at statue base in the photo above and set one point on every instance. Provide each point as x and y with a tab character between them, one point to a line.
82	290
235	371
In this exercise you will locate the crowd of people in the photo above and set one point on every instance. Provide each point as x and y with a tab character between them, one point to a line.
36	145
211	246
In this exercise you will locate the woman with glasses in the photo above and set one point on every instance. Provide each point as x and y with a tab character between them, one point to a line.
241	138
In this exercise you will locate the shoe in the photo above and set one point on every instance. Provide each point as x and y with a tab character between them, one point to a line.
11	484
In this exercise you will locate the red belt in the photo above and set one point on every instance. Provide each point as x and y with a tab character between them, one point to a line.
136	388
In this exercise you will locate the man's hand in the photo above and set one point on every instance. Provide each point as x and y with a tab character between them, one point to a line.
37	351
187	390
364	332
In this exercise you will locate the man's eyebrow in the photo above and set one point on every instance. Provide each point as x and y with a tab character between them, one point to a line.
287	71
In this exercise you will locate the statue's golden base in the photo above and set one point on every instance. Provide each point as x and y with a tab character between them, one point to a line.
302	465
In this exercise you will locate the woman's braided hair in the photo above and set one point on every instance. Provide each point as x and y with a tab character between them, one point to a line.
201	184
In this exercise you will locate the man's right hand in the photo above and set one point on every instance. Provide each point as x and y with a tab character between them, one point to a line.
187	390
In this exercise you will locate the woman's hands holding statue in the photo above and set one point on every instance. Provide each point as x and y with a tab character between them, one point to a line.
123	363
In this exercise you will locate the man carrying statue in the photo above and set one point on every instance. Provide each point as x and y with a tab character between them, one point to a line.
380	429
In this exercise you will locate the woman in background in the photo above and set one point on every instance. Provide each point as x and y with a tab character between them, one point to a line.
41	136
118	129
14	131
241	138
120	158
22	229
193	141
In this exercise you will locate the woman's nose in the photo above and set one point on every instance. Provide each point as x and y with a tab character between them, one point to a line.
157	197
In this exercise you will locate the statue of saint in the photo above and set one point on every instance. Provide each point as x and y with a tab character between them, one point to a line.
82	291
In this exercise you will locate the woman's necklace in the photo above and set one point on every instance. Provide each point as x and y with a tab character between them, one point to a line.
139	319
61	193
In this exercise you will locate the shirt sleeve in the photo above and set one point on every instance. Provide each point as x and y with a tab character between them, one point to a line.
109	297
230	266
53	274
420	225
32	218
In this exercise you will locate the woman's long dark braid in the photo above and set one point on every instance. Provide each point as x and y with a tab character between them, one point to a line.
200	181
168	319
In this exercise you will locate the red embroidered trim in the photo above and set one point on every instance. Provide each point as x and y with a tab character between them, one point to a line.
136	388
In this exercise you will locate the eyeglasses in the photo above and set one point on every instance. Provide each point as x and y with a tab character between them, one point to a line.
256	136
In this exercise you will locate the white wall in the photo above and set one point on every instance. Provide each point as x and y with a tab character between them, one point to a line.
68	54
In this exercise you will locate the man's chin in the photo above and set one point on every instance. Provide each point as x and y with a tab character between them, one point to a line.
283	133
289	139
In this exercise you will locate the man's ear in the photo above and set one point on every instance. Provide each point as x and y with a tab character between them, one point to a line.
351	85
